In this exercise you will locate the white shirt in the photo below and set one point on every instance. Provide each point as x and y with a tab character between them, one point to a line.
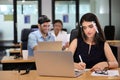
62	36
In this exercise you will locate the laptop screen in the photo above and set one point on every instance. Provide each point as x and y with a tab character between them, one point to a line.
50	46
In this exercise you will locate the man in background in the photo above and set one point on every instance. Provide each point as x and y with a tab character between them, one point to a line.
40	35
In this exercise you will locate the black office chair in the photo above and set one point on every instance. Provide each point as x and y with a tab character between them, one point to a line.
74	34
63	29
109	32
34	26
24	38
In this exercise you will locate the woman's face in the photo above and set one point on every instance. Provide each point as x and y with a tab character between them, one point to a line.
89	29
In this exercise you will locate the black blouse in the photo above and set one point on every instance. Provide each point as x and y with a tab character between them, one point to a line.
95	56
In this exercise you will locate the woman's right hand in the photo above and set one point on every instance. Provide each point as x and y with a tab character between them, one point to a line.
80	65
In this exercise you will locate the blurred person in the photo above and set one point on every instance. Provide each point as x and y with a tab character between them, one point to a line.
42	34
59	34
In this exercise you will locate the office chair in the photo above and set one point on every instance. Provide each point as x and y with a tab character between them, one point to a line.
34	26
63	29
109	32
24	37
73	34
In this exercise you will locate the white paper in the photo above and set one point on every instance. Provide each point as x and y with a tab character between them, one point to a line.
110	73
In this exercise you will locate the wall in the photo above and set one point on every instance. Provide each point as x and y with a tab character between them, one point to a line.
21	17
6	27
102	12
47	8
116	17
21	25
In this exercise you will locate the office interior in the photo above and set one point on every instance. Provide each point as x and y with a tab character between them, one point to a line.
16	15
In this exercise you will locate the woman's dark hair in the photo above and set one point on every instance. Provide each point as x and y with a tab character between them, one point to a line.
92	17
57	20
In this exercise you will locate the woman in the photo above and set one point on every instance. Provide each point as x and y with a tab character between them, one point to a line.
59	34
92	47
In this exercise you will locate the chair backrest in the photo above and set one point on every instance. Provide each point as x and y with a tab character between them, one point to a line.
34	26
74	34
63	29
24	38
109	32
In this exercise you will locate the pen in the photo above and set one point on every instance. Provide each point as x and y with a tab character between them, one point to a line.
80	58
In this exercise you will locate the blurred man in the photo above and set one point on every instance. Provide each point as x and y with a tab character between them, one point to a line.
42	34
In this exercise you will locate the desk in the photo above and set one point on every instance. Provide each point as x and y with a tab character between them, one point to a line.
9	75
8	44
115	46
14	75
11	59
9	63
114	42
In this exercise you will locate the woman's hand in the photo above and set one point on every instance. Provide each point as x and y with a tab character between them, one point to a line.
99	66
80	65
65	47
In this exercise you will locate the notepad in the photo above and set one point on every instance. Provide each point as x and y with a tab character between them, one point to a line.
110	73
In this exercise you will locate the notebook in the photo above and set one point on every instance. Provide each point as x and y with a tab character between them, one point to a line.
55	63
50	46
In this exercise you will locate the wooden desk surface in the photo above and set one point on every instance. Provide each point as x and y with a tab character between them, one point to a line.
14	51
11	59
85	76
113	40
115	43
9	75
14	75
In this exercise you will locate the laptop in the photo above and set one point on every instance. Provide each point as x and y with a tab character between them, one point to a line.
55	63
50	46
